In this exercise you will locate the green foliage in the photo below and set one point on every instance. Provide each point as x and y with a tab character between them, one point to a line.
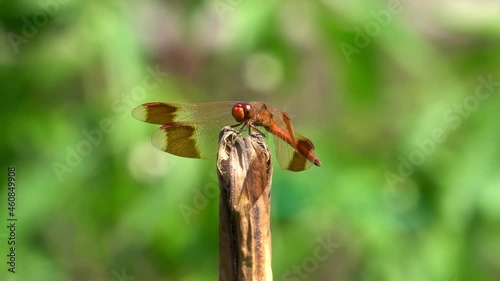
399	98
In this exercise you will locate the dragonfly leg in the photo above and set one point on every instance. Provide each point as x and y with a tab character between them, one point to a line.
252	129
243	126
251	126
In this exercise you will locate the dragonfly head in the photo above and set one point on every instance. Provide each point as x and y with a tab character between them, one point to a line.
242	111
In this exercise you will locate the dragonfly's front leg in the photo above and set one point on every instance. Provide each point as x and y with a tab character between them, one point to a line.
243	126
251	126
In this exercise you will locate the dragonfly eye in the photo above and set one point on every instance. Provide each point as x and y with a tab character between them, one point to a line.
248	111
242	112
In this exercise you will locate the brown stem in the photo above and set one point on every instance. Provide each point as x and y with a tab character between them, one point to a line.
244	169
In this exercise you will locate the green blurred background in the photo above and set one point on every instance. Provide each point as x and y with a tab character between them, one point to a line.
399	98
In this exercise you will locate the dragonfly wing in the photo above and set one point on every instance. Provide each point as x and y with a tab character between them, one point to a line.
165	113
189	130
189	139
289	158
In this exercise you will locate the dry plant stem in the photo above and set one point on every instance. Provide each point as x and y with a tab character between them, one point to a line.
244	169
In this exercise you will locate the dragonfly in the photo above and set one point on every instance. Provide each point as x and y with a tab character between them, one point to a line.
192	129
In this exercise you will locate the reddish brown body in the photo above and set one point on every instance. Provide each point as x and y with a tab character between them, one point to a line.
258	114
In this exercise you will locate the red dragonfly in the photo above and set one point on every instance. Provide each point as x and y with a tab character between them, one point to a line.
192	130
